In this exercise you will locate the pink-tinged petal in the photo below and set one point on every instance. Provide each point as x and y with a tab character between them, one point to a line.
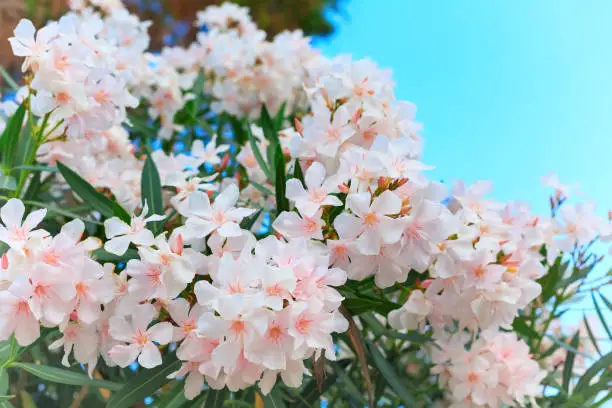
198	228
124	355
307	208
27	330
387	203
34	218
12	212
182	271
179	310
119	329
348	226
42	103
19	49
161	332
199	203
359	203
74	229
226	355
193	385
88	312
150	356
205	292
391	230
314	175
267	382
294	190
369	243
117	245
335	277
212	326
230	229
144	237
227	199
332	200
237	214
143	315
114	227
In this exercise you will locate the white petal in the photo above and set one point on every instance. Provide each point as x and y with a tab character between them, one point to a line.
114	226
314	175
12	212
161	332
123	355
118	245
227	199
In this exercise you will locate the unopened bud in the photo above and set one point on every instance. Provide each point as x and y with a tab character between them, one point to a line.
343	188
298	126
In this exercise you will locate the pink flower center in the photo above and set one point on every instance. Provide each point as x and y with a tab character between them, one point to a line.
317	195
370	219
141	338
303	324
219	217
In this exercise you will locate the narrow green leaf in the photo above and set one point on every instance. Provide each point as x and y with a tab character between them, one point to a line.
362	304
101	255
63	376
298	173
274	400
601	364
90	195
10	137
248	223
267	125
282	203
8	183
144	384
151	191
9	79
280	117
348	386
215	398
4	381
265	190
391	376
601	316
174	398
6	403
53	209
569	362
606	301
26	400
590	332
37	168
258	156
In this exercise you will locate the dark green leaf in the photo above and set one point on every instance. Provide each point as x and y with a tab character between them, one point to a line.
280	117
549	280
362	304
590	332
8	183
174	398
102	256
144	384
282	203
258	156
601	364
348	387
248	223
606	301
601	316
10	137
151	191
215	398
267	125
62	376
297	172
274	400
391	376
523	329
568	367
89	194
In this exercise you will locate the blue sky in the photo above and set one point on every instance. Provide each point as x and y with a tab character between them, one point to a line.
507	91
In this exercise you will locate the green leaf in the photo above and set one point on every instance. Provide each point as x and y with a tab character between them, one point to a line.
267	125
173	398
258	156
606	301
549	280
144	384
390	375
601	364
8	183
62	376
601	316
348	387
298	173
151	191
37	168
90	195
10	137
282	203
53	209
6	404
102	256
4	381
280	117
9	79
362	304
523	329
590	332
274	400
569	362
215	398
248	223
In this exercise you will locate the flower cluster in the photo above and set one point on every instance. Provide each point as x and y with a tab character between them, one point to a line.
52	281
494	371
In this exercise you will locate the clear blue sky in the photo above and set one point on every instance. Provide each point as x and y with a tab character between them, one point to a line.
506	90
